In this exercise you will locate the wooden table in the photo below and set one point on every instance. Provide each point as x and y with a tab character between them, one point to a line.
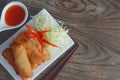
95	24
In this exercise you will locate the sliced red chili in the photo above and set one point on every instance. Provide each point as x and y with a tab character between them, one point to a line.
50	43
40	36
30	29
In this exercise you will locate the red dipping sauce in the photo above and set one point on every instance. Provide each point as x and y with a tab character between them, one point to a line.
14	15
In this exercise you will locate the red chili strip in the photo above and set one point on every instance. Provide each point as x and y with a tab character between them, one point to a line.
50	43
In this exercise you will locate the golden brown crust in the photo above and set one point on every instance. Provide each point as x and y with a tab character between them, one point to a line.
25	55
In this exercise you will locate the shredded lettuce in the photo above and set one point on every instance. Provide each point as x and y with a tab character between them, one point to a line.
57	34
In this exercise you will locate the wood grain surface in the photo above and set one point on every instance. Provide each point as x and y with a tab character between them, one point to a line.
95	24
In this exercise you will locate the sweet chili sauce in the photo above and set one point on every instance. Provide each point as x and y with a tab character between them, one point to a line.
14	15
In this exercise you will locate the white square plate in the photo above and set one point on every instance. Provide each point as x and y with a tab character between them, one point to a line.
56	54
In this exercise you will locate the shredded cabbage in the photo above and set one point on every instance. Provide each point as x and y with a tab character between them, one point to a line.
57	34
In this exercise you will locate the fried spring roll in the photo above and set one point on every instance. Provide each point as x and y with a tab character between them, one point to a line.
34	54
8	55
21	61
33	50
